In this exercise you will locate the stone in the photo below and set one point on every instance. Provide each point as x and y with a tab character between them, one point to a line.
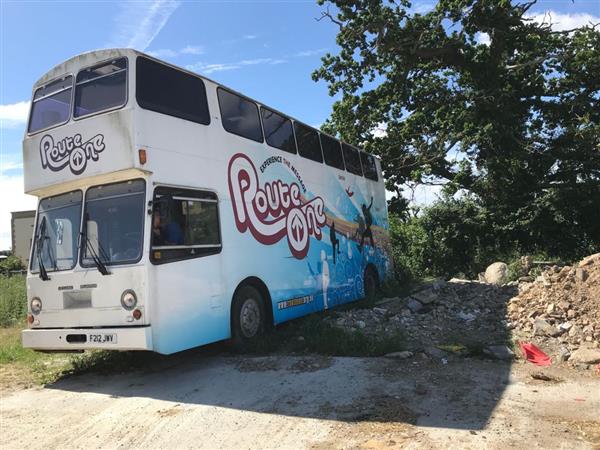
400	355
543	328
581	274
585	355
414	305
564	354
425	297
501	352
550	308
566	326
379	310
361	324
497	273
467	317
435	353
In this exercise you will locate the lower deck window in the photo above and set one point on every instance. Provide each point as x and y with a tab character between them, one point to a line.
185	224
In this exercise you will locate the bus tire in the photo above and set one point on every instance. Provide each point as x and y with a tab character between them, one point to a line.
371	283
248	316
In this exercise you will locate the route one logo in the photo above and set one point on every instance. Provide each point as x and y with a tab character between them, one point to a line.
275	211
70	151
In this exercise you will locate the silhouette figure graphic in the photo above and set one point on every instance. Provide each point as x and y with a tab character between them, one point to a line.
366	210
335	242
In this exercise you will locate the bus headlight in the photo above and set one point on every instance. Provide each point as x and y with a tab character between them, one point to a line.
128	299
35	305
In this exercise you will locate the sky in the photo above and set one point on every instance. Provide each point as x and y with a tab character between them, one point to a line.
265	49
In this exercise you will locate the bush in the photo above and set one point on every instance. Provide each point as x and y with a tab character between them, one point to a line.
448	238
12	262
13	300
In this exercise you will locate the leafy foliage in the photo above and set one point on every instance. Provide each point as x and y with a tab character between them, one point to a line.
12	262
514	123
13	300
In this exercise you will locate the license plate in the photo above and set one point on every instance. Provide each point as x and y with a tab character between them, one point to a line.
102	338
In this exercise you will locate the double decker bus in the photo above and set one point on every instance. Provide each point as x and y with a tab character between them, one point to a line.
175	212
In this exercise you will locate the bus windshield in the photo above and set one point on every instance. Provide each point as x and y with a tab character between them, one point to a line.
113	223
55	243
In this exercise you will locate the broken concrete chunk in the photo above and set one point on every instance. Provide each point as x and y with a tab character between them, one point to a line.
427	296
501	352
585	355
543	328
414	305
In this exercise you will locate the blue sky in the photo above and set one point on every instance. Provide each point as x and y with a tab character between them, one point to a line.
266	49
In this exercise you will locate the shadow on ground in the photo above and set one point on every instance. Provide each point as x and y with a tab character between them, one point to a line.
460	390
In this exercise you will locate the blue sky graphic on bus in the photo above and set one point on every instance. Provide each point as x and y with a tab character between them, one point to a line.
273	204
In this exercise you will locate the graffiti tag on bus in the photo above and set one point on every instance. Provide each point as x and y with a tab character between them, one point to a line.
70	151
274	211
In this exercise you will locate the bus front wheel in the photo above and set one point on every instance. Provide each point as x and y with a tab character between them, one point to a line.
248	315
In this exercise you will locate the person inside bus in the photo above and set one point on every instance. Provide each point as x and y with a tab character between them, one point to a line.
169	233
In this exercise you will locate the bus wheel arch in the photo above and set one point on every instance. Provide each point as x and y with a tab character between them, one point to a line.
371	281
246	288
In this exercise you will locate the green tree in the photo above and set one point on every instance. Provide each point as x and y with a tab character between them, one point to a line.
512	119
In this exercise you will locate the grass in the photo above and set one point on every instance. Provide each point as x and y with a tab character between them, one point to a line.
13	300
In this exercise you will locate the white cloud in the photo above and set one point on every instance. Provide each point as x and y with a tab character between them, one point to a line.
249	37
220	67
192	50
562	22
305	53
170	53
13	199
138	23
14	115
423	8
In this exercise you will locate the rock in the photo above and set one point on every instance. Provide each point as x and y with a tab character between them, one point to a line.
400	355
543	328
585	355
427	296
496	273
467	317
550	308
414	305
564	354
501	352
379	310
581	275
361	324
435	353
566	326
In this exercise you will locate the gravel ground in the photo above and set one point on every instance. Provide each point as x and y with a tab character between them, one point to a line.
215	401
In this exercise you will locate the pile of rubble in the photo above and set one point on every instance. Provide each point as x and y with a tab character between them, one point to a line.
560	310
452	313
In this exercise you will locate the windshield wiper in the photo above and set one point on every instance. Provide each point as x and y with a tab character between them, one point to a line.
89	247
41	239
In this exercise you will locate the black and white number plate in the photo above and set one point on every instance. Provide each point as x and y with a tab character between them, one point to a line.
102	338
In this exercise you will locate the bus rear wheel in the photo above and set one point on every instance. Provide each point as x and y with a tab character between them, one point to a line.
248	315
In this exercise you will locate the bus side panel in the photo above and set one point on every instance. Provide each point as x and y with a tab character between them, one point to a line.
311	253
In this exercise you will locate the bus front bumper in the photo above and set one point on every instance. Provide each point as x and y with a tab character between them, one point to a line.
66	339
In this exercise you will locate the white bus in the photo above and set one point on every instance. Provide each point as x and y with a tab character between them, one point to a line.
175	212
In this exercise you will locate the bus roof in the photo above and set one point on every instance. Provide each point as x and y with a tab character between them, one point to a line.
94	56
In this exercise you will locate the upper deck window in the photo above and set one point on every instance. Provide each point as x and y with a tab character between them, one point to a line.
308	142
101	87
332	151
369	166
166	90
278	130
51	104
239	115
352	159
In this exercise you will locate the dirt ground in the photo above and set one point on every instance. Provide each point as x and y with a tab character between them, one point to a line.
214	401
